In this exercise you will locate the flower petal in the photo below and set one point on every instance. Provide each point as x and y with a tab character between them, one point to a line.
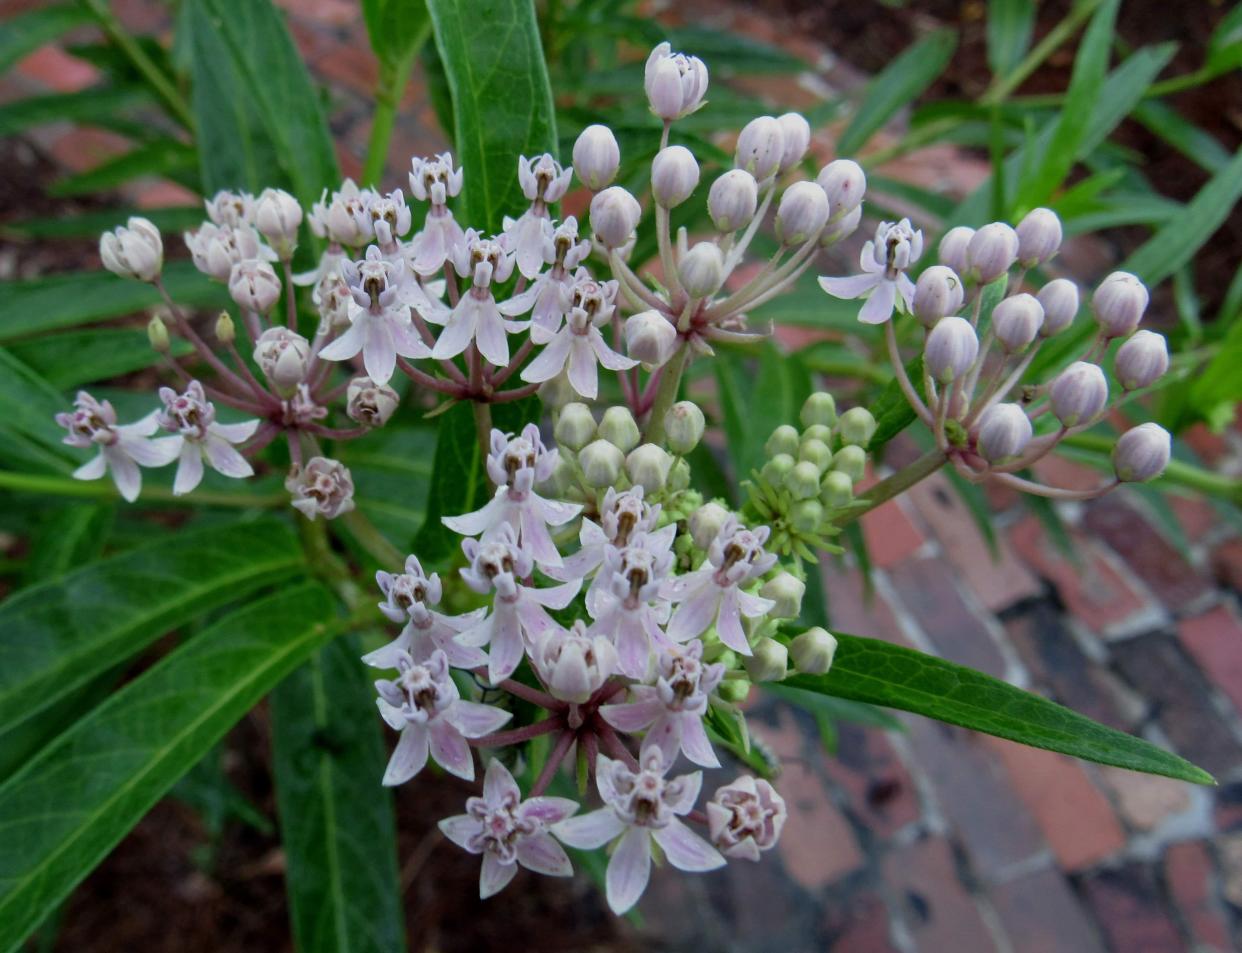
695	743
879	307
588	831
409	757
685	849
632	716
225	459
543	855
474	720
695	614
92	469
854	286
344	347
379	356
125	473
450	750
460	829
490	333
583	370
551	360
189	470
459	331
494	876
235	433
629	870
547	810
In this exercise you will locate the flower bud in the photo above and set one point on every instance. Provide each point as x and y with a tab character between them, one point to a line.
806	516
601	463
845	183
277	216
1004	432
1016	321
1142	453
732	200
702	270
1039	237
614	216
675	83
575	427
683	426
283	356
1059	299
938	292
1142	360
852	461
951	349
706	522
157	335
839	228
563	482
795	138
816	452
323	488
992	251
619	428
777	468
226	333
650	337
801	214
952	250
802	481
734	691
760	146
648	466
133	250
596	157
557	391
813	651
254	286
768	662
818	432
571	663
786	591
1078	394
678	475
369	403
784	439
836	490
674	175
1119	303
818	409
857	426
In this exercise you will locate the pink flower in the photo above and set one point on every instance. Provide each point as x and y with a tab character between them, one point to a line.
581	346
549	296
436	181
573	662
884	262
627	607
623	515
508	831
122	448
193	418
746	817
476	318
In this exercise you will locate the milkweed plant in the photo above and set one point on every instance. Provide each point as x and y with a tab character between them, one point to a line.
599	603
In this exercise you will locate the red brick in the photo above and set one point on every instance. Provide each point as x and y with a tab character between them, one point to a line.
52	67
1129	907
938	912
1057	471
324	12
854	609
1075	817
1040	914
1227	563
1214	641
1191	879
1211	447
891	535
1146	800
81	148
861	926
881	793
1196	516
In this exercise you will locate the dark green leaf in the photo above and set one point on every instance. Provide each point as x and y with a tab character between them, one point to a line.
162	158
892	411
780	386
1182	134
837	709
91	224
392	475
1010	23
26	33
70	536
731	54
1225	47
29	405
396	28
75	358
86	106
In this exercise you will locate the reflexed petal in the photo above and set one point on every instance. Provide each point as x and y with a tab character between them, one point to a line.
753	606
494	876
547	810
589	831
474	720
460	829
151	453
695	743
459	331
729	623
633	647
556	597
606	355
224	459
879	307
92	469
409	757
344	347
583	371
481	520
852	287
391	714
665	734
450	750
905	289
550	361
378	355
536	539
125	473
690	784
543	855
629	869
386	656
685	849
506	648
556	512
406	341
144	427
695	614
189	470
490	334
235	433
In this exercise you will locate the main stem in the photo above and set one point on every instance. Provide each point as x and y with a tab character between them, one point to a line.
666	394
388	90
899	482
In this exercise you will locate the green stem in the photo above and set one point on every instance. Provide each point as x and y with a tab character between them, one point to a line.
666	393
104	490
1178	471
388	90
899	482
325	564
372	540
1001	87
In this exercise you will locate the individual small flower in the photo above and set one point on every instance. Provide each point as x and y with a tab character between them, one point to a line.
508	831
1004	432
435	180
550	294
543	179
1039	237
1119	303
951	348
217	248
277	215
283	356
712	594
384	220
333	299
625	601
122	448
230	208
579	347
253	285
650	337
596	157
1142	453
675	83
1059	299
192	417
760	146
845	184
424	705
369	403
623	516
674	175
796	139
339	219
300	410
543	182
321	488
1078	394
745	817
953	247
573	662
672	710
884	261
801	214
409	597
133	250
476	318
938	292
640	806
991	252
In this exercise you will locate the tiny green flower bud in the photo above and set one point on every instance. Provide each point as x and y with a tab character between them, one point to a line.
614	216
802	213
1119	303
1142	453
562	480
836	490
839	228
225	332
1016	321
1004	432
806	516
701	270
802	481
952	250
760	146
819	432
951	349
557	391
705	523
856	426
845	183
992	251
768	663
819	408
1059	299
674	175
852	461
813	651
620	429
795	137
721	654
938	292
1078	394
596	157
1039	237
1142	360
734	690
777	468
784	439
816	452
733	199
786	590
683	426
601	463
157	334
679	475
648	466
575	427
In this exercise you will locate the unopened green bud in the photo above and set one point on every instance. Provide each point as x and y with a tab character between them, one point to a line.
775	470
683	426
601	463
856	426
225	332
562	478
806	516
784	439
734	690
679	475
157	334
557	391
786	590
820	409
836	490
852	461
648	466
818	432
705	523
619	429
769	661
722	654
803	480
813	651
816	452
575	427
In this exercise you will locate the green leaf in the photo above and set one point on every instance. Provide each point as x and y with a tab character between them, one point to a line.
502	102
1225	47
161	158
28	406
837	709
91	224
892	411
75	358
26	33
732	54
781	384
70	536
880	673
898	84
86	106
336	820
72	803
1182	134
1010	23
396	28
57	636
392	476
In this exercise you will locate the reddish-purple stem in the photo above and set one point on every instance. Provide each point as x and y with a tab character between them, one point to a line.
613	745
518	735
525	692
506	396
508	370
559	750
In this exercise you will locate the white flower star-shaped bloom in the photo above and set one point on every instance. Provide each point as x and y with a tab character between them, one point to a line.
550	294
339	218
424	705
509	832
199	437
476	318
623	516
627	607
884	262
543	182
640	806
672	710
712	594
385	219
435	180
579	345
122	448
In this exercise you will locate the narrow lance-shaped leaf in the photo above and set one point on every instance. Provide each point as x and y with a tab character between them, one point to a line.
26	33
1010	23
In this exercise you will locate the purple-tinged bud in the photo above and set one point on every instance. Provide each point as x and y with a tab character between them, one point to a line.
706	523
938	292
575	426
732	200
614	216
1039	237
768	662
620	429
813	651
819	409
369	403
795	137
254	286
1016	321
784	439
1142	453
840	228
157	335
845	184
675	83
1142	360
323	488
277	216
951	349
283	356
802	480
217	248
650	338
648	466
674	175
745	818
760	147
133	250
802	213
1004	432
701	270
992	251
1078	394
573	664
230	208
953	247
836	490
601	464
596	157
1059	299
852	461
856	426
683	426
786	591
1119	303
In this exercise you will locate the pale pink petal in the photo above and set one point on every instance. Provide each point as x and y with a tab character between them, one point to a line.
905	289
450	750
378	355
555	512
92	469
225	459
550	361
589	831
606	355
547	810
543	855
556	597
494	876
685	849
583	371
391	714
151	453
729	623
753	606
879	307
681	797
632	716
409	757
235	433
189	469
695	743
633	648
852	287
478	634
406	341
344	347
536	540
474	720
386	656
459	331
125	473
144	427
665	734
629	870
506	648
695	614
481	520
460	829
683	586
